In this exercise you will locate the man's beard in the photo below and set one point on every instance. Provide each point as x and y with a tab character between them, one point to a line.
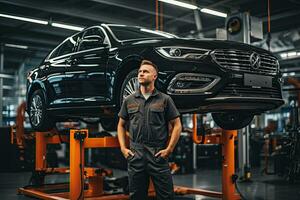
145	83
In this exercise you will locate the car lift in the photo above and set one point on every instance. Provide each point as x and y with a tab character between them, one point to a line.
226	139
90	180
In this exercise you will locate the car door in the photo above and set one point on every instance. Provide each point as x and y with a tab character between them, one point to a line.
86	76
54	73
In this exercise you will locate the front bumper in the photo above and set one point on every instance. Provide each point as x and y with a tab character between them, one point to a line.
230	94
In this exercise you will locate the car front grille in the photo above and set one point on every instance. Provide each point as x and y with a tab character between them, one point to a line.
240	61
237	90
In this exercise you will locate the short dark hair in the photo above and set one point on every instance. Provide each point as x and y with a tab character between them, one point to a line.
148	62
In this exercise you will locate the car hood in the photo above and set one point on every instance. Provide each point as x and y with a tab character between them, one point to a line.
203	43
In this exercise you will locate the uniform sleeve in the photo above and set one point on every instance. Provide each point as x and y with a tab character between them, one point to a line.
171	110
123	111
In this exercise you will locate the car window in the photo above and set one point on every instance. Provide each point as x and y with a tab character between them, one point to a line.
92	38
66	47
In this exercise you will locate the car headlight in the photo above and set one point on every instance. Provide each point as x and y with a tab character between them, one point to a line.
176	52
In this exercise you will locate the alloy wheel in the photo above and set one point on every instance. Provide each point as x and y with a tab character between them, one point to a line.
131	86
36	110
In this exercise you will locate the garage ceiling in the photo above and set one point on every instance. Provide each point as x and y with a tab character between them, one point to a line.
40	39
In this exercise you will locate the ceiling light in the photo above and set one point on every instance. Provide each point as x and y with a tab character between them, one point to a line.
283	55
16	46
292	74
291	54
181	4
26	19
213	12
65	26
44	22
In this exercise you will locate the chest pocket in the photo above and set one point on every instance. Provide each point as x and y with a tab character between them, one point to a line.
133	114
157	115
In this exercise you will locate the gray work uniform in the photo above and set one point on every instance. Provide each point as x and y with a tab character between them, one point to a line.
148	132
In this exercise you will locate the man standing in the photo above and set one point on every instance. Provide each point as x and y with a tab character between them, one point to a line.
148	113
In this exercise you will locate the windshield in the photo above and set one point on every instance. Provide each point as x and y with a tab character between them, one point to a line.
132	33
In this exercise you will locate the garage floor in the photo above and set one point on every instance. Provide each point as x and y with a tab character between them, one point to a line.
265	187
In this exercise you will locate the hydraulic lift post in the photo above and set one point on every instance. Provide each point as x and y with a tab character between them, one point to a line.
76	165
228	169
40	151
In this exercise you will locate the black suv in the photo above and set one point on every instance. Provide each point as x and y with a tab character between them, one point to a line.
89	74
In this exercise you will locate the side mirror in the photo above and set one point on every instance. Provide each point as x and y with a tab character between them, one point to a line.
90	42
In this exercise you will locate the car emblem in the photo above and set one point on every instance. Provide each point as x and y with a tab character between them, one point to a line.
254	61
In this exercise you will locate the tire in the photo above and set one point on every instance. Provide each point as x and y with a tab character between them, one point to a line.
129	86
232	121
38	114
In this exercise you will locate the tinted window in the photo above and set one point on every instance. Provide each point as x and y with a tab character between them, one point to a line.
66	47
131	33
92	38
53	53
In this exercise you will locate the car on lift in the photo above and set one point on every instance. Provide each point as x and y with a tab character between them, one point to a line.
89	74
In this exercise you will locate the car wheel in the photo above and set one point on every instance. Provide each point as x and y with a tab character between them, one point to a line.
128	87
232	121
38	116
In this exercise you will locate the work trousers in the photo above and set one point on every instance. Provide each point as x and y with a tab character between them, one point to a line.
144	165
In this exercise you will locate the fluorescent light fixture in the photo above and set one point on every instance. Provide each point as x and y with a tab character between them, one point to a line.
213	12
283	55
44	22
289	74
7	87
291	54
181	4
16	46
26	19
65	26
193	7
8	76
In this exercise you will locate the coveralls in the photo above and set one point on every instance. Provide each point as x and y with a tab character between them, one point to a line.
148	132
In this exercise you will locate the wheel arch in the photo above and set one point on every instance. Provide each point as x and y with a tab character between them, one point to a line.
35	86
128	64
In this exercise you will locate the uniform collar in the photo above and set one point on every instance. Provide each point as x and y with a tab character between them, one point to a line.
139	94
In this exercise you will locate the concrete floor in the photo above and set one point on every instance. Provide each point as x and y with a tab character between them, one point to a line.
267	187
